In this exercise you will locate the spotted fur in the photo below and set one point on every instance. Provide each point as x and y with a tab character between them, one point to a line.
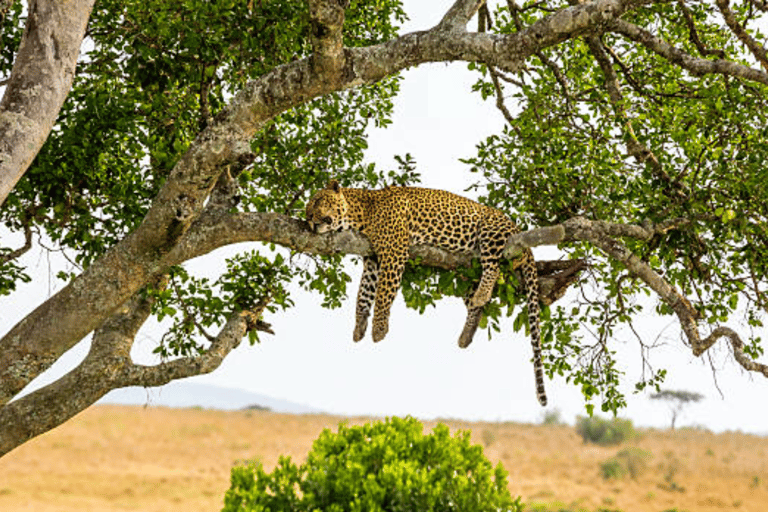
395	218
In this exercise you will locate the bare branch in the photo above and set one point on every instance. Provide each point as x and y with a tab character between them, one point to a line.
602	235
695	66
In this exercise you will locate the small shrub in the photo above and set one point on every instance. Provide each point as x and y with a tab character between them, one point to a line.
612	468
629	461
552	417
489	437
670	469
604	431
379	466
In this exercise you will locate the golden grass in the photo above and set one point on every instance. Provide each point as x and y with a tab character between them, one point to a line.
114	458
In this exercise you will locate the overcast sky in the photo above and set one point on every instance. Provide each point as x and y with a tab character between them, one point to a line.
419	369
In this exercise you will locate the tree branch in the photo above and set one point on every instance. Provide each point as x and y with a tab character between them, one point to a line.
693	34
227	340
40	81
695	66
59	401
601	235
327	20
21	250
755	48
639	151
108	366
459	14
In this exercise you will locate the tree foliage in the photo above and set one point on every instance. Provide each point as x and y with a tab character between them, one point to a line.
636	134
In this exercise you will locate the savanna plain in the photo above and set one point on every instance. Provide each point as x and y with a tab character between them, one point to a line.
118	458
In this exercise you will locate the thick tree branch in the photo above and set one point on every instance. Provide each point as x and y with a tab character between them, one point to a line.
108	366
603	235
211	233
40	81
59	401
327	20
695	66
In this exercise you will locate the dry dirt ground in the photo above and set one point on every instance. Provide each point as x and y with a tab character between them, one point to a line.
113	458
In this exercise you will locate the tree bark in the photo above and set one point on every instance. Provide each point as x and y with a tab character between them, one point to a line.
40	81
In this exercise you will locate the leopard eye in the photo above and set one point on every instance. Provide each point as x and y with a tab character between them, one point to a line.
326	220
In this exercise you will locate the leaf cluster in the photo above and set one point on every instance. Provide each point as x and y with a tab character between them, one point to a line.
194	305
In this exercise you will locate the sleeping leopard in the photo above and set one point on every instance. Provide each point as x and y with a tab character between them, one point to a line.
396	218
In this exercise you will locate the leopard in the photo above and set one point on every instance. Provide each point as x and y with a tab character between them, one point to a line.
395	218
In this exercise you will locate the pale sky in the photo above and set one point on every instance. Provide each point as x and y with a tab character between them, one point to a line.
419	369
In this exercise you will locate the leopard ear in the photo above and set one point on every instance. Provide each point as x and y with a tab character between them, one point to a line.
333	185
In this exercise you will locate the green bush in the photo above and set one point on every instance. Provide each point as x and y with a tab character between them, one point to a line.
629	461
612	468
552	417
604	431
380	466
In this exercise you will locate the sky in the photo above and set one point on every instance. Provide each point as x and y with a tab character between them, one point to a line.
419	369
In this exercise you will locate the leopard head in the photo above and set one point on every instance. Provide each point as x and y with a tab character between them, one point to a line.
327	209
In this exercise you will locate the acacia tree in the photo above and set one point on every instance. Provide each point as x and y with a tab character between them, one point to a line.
192	125
677	399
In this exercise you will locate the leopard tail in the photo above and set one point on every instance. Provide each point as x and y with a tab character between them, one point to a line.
534	311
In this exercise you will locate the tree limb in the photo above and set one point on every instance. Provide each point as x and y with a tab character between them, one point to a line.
695	66
755	48
459	14
40	81
639	151
108	366
601	234
693	34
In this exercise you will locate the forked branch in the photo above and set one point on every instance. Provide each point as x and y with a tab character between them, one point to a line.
605	235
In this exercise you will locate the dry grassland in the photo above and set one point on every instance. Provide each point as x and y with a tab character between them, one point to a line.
113	458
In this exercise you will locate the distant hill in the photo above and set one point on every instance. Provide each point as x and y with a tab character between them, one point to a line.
187	394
